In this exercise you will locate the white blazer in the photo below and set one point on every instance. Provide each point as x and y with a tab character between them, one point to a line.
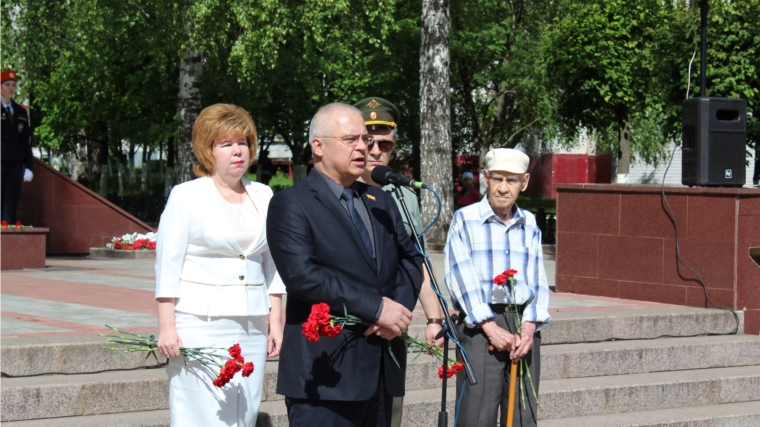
199	260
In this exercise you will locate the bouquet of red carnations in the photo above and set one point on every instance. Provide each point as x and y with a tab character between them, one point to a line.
507	280
321	323
207	356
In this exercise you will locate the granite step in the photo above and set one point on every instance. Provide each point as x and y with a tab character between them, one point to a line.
143	390
580	397
745	414
421	408
570	327
54	396
24	356
114	392
642	356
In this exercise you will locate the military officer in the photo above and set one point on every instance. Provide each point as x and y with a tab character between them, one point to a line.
16	152
381	118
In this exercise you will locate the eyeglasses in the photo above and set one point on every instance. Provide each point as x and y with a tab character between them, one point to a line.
513	181
385	145
352	140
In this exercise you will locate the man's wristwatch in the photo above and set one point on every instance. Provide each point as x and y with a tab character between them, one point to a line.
436	321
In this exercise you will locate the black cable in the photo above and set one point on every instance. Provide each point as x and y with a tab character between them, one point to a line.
672	218
160	365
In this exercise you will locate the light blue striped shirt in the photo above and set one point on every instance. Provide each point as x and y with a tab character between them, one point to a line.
480	246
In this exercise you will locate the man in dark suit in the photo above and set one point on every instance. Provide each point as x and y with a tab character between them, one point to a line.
342	242
16	152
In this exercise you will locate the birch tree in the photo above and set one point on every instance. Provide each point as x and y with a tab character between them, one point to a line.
188	105
435	117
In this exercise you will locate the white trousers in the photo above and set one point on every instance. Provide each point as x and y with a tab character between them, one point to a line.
193	400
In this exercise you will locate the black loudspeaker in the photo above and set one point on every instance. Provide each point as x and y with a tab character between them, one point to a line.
714	142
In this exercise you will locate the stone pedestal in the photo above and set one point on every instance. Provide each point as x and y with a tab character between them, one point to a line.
121	254
618	241
22	248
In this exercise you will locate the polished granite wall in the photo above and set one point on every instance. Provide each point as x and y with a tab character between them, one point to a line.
77	217
618	241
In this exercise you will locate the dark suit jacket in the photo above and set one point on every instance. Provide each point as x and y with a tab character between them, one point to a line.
16	147
321	258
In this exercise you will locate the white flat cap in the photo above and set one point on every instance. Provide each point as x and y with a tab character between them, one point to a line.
508	160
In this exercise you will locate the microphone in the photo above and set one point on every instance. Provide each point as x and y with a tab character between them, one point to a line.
383	175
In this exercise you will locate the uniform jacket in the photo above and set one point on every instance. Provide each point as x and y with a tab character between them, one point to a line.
321	258
16	147
199	260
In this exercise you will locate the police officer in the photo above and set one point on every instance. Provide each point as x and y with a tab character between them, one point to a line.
381	118
16	152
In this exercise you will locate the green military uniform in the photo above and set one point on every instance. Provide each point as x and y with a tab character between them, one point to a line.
381	114
413	205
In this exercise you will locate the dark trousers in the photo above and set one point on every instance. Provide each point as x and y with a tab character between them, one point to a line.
338	413
483	402
12	177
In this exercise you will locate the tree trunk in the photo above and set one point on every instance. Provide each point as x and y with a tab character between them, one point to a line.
144	171
121	178
90	171
169	176
435	117
78	168
624	153
131	164
189	106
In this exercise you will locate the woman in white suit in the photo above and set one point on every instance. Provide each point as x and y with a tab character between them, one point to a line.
216	283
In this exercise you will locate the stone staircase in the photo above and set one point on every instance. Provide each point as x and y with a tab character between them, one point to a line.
599	368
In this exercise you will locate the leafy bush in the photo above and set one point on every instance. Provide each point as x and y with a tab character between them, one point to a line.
280	181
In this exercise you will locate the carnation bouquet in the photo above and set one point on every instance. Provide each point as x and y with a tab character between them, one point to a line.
4	224
134	242
321	323
507	281
224	367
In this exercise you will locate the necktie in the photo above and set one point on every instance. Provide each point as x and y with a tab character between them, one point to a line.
8	113
348	196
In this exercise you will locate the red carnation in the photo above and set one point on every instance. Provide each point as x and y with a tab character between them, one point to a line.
235	351
500	280
320	313
330	331
240	360
232	366
4	224
18	224
117	245
449	372
453	369
248	369
309	330
503	279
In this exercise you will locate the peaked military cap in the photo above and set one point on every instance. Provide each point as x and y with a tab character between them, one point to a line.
378	113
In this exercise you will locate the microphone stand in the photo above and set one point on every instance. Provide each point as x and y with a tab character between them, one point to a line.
448	324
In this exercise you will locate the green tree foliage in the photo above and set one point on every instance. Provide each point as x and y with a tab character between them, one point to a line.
614	59
602	62
733	57
500	93
98	71
283	59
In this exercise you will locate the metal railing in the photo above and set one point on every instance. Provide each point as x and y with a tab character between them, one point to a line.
547	222
145	208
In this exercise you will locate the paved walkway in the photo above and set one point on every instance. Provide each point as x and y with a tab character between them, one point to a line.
78	296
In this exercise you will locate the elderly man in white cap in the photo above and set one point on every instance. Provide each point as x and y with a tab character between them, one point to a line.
485	240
